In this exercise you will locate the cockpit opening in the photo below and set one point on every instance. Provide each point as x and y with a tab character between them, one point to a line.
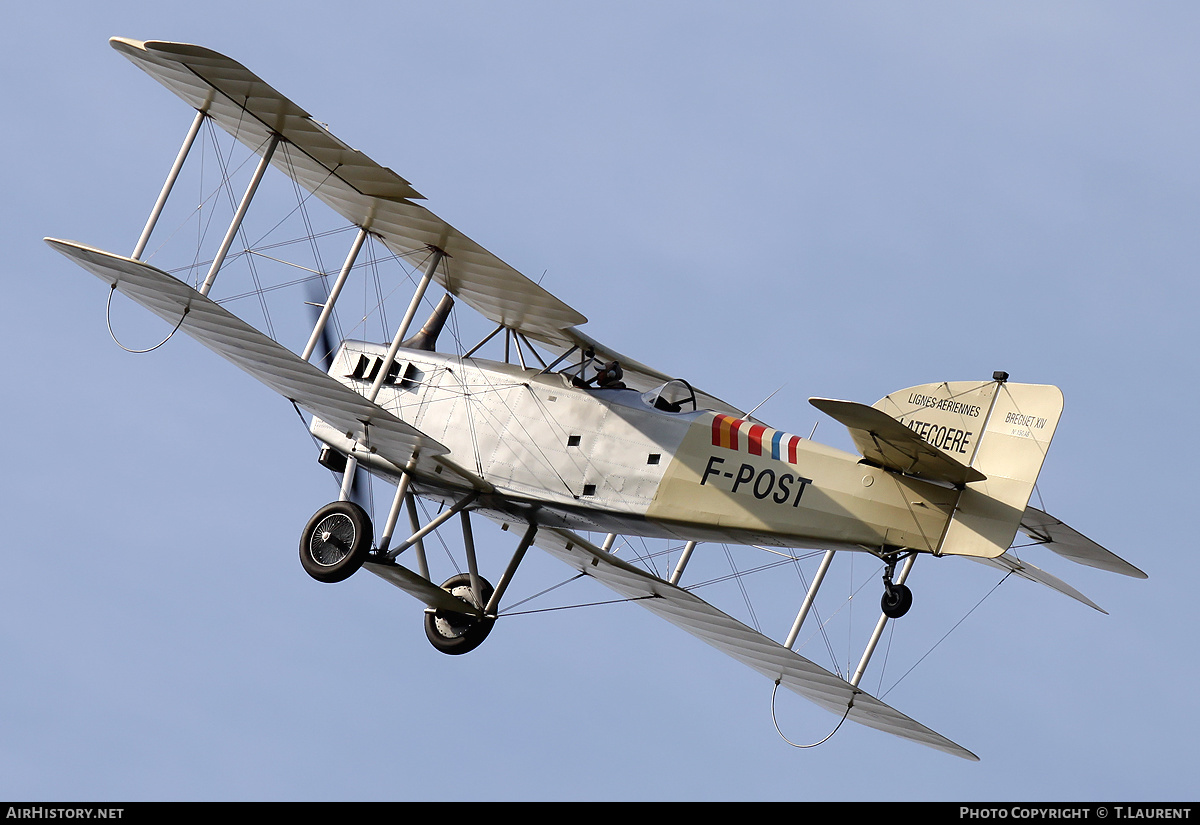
673	396
608	373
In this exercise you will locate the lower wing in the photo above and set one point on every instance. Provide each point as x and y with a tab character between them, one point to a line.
768	657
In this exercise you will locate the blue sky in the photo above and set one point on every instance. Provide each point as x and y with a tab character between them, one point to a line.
840	199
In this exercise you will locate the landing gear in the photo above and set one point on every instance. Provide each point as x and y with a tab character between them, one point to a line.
452	632
897	598
896	601
336	541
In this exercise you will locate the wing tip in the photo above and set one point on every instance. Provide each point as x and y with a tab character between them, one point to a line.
119	42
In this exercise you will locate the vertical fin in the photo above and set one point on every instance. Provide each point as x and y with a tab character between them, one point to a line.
1011	426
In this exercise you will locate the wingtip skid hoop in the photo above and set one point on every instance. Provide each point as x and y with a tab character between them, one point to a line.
827	737
113	335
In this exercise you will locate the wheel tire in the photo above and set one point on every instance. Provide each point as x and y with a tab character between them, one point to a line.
896	601
457	633
335	542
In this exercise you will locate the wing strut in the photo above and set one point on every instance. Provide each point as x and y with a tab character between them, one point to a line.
809	598
243	207
699	618
883	620
401	331
826	560
327	309
683	560
172	176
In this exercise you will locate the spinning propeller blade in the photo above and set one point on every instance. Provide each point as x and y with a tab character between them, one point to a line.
326	346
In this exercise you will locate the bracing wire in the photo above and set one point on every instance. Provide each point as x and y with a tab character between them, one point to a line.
947	633
511	612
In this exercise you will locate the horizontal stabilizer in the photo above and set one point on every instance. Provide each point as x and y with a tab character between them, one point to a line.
725	633
1070	544
1025	570
885	441
261	356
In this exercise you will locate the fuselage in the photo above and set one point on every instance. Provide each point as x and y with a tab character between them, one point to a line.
611	460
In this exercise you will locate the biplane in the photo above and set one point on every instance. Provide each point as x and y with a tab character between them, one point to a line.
566	438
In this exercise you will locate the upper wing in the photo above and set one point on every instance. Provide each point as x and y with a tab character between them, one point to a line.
270	362
350	183
371	196
768	657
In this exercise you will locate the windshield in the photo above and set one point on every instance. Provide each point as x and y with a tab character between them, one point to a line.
674	396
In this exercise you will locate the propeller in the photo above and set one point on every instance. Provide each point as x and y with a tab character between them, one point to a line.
322	356
326	345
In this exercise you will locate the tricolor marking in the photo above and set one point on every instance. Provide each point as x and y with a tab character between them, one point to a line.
779	445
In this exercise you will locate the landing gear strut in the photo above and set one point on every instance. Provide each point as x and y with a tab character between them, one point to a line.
897	598
336	541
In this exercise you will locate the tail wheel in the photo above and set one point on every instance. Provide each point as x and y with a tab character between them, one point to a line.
336	541
896	601
454	633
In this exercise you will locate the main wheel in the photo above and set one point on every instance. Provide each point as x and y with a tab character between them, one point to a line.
335	541
454	633
896	601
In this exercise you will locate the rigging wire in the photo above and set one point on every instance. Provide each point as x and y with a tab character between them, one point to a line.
250	260
948	632
742	586
573	606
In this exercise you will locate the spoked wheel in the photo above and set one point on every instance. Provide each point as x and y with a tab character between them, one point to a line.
896	601
454	633
336	541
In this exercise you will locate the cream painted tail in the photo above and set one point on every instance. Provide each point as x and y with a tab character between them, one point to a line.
1002	430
